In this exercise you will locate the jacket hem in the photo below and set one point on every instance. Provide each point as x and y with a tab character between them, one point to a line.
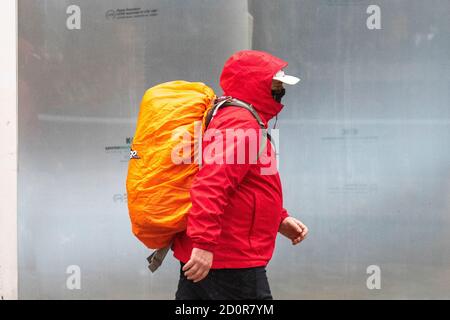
236	264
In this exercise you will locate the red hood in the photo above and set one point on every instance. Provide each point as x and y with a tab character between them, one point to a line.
248	75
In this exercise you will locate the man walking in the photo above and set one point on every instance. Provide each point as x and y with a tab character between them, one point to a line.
237	209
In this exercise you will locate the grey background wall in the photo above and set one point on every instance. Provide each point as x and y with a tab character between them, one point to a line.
364	139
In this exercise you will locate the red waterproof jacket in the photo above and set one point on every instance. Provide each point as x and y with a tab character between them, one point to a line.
237	208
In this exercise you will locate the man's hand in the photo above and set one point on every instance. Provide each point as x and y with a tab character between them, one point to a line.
198	267
294	230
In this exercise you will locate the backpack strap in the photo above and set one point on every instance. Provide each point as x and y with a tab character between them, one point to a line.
233	102
157	258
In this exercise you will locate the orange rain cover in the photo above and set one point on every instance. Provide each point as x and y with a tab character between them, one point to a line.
158	189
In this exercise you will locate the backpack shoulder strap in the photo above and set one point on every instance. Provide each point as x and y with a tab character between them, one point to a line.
232	102
212	113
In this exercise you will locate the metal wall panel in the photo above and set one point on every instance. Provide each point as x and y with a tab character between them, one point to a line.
364	139
365	155
80	91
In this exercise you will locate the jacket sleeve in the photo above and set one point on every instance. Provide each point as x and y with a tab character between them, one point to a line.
216	182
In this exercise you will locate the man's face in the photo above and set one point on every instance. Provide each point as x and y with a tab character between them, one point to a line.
277	85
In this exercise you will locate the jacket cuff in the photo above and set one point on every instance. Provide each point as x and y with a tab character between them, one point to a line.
204	246
284	215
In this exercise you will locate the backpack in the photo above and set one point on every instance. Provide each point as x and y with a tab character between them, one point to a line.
158	189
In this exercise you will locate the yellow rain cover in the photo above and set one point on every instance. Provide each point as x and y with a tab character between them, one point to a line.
158	188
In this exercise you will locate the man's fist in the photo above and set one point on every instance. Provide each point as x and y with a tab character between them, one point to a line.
198	267
294	230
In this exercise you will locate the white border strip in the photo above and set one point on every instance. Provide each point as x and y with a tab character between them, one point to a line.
8	151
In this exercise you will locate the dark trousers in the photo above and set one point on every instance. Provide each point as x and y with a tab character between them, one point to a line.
227	284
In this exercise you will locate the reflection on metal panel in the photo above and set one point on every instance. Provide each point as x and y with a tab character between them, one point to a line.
364	139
